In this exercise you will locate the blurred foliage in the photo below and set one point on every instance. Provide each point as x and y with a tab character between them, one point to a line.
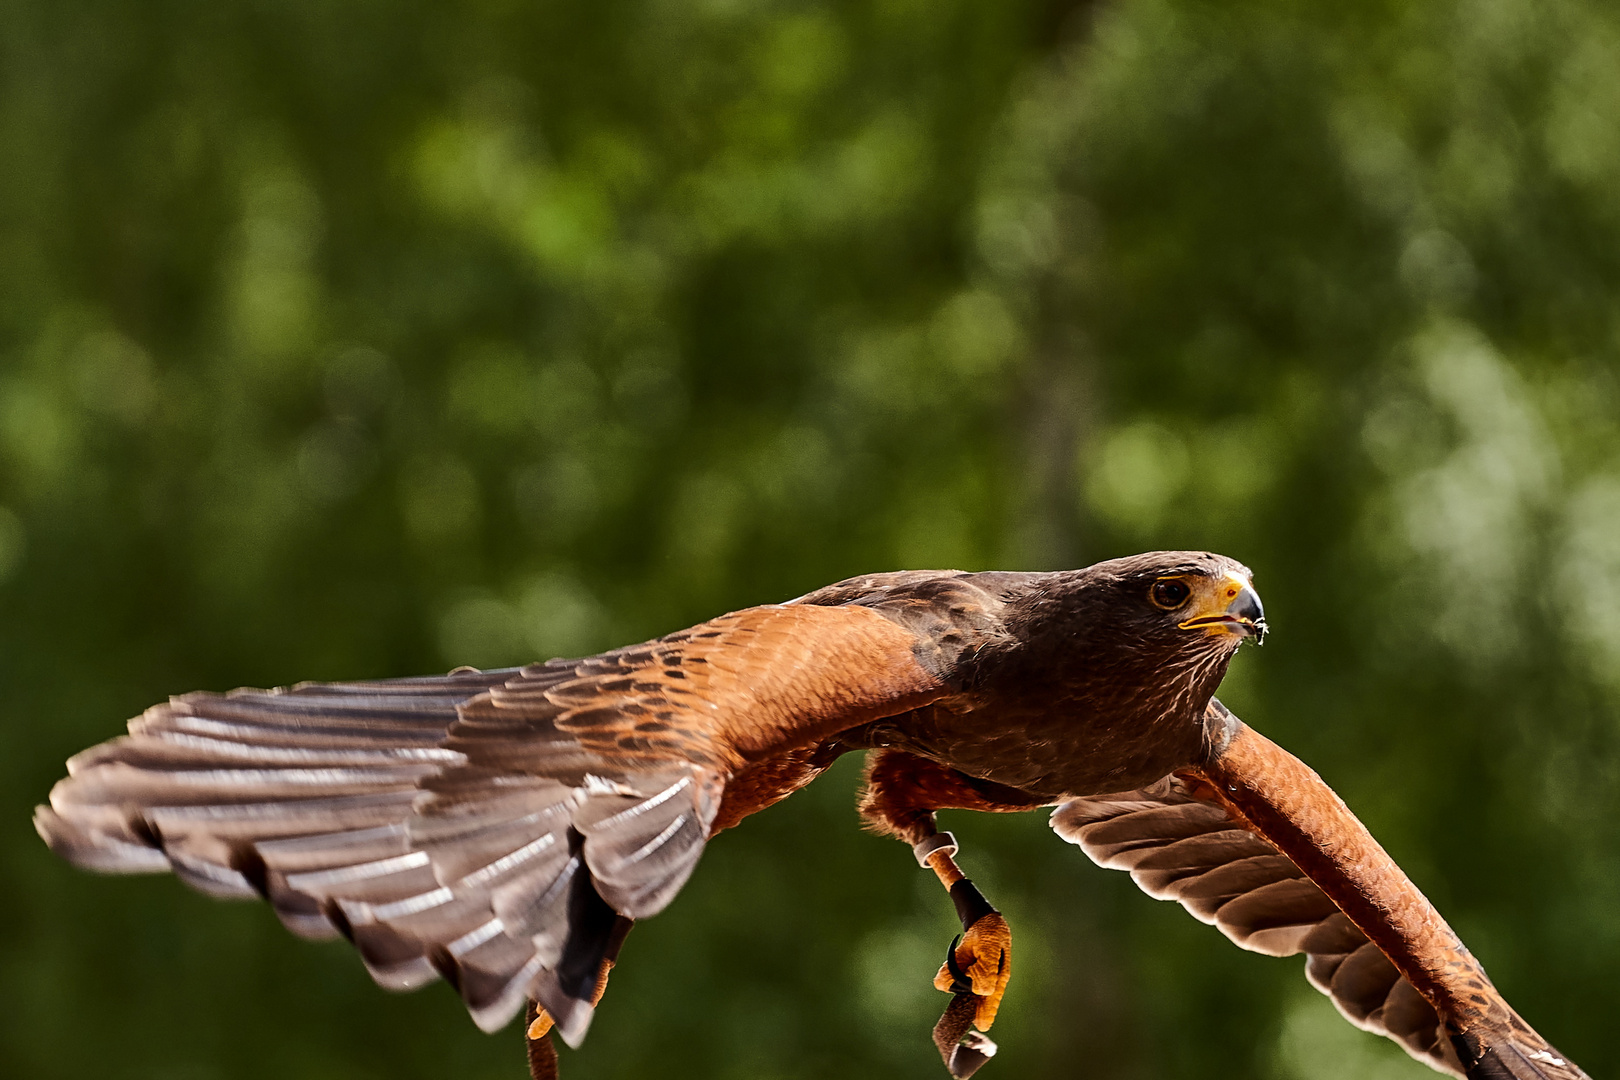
365	339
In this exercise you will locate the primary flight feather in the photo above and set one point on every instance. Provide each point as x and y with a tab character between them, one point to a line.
502	829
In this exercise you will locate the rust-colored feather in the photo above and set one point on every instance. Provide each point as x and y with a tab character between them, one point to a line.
501	829
1283	800
1266	852
1179	847
483	826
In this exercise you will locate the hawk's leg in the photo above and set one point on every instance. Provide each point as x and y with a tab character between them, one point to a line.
537	1022
902	792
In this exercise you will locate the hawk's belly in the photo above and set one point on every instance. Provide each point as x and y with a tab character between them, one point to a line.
1052	757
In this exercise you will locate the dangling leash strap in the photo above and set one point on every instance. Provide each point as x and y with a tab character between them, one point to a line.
962	1049
542	1054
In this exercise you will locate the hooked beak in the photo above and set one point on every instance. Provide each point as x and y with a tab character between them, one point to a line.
1232	607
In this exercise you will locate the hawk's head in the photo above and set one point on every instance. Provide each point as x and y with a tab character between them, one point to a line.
1181	600
1150	633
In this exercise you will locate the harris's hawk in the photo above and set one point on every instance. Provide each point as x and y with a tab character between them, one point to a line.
502	829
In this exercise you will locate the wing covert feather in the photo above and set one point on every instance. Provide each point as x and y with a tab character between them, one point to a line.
486	827
1178	847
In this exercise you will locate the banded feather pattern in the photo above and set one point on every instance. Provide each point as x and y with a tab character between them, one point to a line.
503	829
487	827
1179	847
343	805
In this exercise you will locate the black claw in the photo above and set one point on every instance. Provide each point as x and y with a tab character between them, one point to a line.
960	983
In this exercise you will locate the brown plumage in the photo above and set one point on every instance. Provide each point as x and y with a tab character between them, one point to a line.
502	829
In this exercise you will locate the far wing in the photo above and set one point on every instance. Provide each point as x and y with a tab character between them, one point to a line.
489	827
1177	847
1254	842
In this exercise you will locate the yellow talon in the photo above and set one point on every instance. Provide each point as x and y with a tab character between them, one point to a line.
984	955
541	1025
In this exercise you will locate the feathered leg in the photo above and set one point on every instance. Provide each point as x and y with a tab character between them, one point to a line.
902	792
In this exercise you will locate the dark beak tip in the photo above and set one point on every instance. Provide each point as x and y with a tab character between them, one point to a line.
1252	615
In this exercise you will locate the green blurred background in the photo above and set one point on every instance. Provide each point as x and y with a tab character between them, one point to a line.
368	339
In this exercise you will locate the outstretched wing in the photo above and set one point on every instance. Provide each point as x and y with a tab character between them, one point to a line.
489	827
1216	846
1178	847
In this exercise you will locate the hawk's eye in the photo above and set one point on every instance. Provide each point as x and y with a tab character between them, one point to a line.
1169	593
